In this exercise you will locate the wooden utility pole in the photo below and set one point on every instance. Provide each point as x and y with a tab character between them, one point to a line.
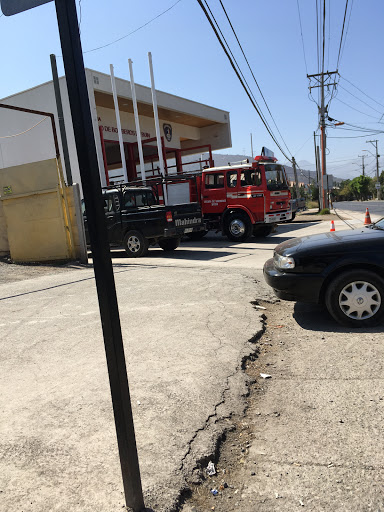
374	143
296	181
322	80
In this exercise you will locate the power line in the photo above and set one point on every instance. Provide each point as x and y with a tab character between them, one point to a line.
250	69
365	94
346	32
302	38
342	33
323	36
134	31
354	137
249	94
353	108
362	101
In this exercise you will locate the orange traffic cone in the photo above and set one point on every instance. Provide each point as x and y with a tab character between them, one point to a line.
332	226
367	219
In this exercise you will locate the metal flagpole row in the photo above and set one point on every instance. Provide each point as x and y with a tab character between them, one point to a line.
137	122
117	111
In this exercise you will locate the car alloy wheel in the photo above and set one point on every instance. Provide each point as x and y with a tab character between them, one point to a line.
135	244
359	300
355	298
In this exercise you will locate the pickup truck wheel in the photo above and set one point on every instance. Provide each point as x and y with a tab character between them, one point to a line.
135	244
262	230
355	298
237	227
169	244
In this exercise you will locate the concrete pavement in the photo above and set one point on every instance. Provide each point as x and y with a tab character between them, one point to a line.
186	332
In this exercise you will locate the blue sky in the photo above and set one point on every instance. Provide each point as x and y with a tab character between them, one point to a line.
188	61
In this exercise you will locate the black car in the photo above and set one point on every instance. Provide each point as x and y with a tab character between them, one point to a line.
343	270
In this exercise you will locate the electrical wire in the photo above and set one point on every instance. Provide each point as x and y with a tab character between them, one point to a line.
355	137
133	31
342	33
25	131
346	32
254	78
365	94
249	94
362	101
353	108
302	37
323	36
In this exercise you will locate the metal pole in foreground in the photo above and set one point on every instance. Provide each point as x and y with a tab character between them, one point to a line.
109	312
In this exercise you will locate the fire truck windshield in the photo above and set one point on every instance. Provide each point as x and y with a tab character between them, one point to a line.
275	177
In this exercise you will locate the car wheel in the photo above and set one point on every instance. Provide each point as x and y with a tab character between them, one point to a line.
356	298
262	230
135	244
169	244
237	227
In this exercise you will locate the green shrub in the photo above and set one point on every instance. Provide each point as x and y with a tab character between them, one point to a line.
324	211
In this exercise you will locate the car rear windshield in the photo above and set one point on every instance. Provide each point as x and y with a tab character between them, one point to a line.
275	176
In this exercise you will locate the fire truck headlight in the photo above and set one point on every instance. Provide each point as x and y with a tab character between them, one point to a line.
283	262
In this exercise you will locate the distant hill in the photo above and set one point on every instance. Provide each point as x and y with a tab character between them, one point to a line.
305	170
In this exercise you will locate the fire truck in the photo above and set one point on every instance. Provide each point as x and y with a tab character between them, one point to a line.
239	200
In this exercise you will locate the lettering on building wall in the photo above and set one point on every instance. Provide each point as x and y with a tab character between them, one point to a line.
125	131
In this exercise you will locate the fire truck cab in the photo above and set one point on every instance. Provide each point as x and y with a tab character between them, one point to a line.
246	199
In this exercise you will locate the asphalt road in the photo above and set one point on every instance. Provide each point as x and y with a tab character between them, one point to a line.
356	209
189	326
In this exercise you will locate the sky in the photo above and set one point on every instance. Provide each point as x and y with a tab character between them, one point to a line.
189	61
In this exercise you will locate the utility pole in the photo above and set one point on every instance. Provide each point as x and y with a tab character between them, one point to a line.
295	174
374	143
362	158
322	80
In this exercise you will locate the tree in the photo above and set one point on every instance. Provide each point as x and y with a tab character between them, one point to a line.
360	187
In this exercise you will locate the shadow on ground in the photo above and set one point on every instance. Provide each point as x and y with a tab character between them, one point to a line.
314	317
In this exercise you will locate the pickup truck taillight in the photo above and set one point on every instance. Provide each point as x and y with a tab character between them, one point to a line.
168	216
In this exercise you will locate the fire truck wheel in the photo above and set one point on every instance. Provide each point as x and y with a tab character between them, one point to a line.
135	244
262	230
169	244
237	227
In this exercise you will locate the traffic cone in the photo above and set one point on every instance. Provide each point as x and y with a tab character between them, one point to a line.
332	226
367	219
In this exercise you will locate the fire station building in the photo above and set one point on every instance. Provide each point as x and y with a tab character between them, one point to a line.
187	128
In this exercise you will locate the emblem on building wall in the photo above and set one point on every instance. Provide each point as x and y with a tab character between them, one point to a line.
167	131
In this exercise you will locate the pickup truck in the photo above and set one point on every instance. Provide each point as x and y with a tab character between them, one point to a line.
297	205
136	220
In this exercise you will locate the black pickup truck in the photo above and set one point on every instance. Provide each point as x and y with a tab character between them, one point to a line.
136	220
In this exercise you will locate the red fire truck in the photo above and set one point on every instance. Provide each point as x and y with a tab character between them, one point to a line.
239	200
